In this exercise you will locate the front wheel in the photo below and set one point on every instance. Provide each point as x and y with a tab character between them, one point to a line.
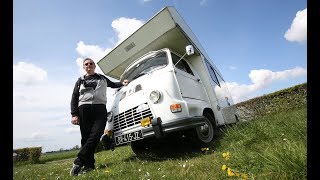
141	147
207	132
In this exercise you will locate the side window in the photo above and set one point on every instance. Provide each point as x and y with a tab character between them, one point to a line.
182	65
212	73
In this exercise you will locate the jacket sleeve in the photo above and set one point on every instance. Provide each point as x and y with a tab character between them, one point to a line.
75	99
113	84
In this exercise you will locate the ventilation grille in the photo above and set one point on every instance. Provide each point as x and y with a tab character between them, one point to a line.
130	118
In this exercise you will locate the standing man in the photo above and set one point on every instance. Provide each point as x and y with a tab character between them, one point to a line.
88	109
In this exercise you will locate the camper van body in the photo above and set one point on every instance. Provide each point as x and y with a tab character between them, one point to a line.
169	90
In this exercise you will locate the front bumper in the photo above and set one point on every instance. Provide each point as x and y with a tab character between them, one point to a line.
159	129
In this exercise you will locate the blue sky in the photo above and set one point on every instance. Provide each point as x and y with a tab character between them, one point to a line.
259	47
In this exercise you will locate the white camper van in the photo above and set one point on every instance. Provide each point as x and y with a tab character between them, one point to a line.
174	85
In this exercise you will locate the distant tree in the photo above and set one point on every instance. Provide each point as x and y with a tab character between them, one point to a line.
75	147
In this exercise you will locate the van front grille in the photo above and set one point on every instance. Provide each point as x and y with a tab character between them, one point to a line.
131	117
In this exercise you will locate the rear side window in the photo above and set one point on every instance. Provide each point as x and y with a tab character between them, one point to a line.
212	73
182	65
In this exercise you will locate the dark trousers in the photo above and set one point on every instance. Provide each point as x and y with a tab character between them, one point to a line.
93	119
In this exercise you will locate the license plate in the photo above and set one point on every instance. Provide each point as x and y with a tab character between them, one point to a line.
125	138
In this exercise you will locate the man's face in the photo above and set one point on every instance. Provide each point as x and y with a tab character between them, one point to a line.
89	66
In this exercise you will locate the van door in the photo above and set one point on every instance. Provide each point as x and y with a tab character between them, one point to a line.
190	85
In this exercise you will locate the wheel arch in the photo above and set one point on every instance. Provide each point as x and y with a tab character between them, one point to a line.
209	111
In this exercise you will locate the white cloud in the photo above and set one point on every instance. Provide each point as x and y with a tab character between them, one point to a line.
38	136
28	74
298	30
124	27
93	51
47	96
72	130
261	79
38	108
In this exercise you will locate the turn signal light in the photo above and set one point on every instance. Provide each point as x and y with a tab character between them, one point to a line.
175	108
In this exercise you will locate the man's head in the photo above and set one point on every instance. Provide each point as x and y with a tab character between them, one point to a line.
89	66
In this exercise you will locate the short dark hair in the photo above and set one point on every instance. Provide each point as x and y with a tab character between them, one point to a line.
87	59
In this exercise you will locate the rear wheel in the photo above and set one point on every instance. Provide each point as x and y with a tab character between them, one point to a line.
207	132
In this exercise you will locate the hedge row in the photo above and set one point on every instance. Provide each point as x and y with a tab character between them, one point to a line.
31	154
283	100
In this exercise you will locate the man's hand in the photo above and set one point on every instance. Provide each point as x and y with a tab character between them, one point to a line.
75	120
125	82
108	132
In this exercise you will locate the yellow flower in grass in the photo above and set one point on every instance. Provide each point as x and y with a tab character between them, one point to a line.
230	173
226	155
224	167
244	176
204	149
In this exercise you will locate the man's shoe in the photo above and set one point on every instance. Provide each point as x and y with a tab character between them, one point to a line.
75	170
86	169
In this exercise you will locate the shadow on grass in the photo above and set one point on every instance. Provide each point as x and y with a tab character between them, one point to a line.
177	148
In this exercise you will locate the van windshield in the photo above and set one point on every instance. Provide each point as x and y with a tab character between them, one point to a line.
152	63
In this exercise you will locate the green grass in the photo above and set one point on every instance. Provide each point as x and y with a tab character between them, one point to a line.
270	147
58	156
273	146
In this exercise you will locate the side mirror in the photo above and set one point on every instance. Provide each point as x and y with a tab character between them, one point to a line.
189	50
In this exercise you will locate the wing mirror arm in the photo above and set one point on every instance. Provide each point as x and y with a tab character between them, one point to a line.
189	52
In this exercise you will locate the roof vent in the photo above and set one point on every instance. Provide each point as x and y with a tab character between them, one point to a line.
129	47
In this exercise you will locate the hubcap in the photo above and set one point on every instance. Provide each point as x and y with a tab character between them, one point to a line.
204	130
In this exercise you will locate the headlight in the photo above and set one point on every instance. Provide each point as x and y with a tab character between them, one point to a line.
155	96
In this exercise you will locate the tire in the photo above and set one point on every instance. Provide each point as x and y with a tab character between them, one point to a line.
207	132
151	147
140	147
